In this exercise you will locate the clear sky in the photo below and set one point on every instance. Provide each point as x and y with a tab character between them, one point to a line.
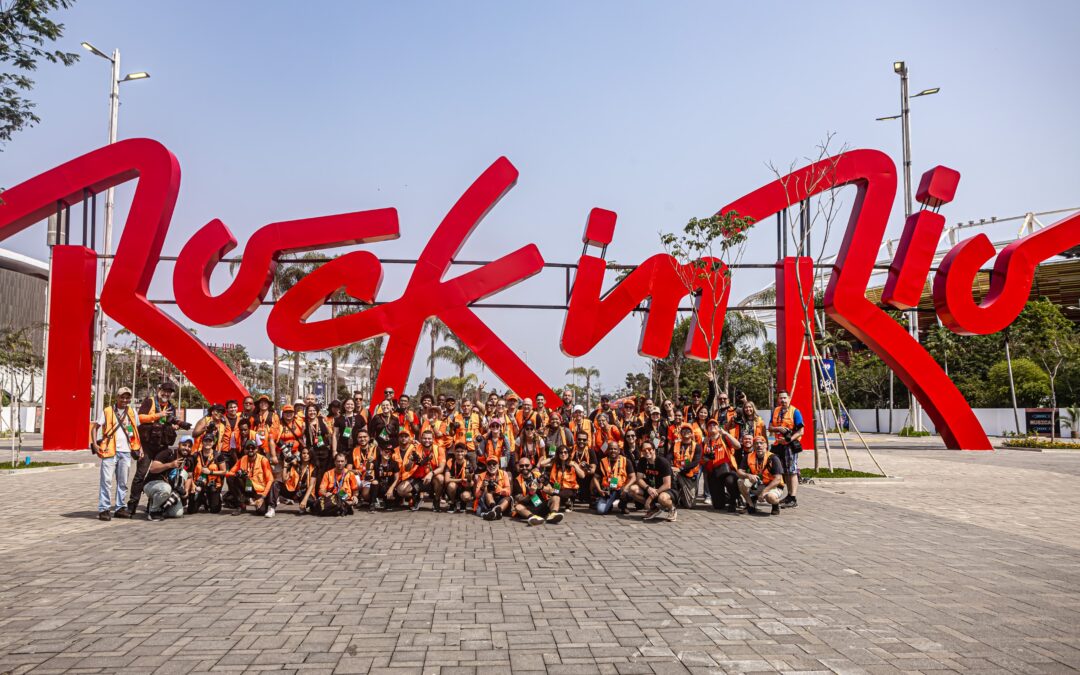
659	111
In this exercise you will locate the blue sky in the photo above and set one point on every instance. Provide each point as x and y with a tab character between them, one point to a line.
659	111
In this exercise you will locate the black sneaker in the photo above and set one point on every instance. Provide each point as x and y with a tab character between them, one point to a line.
452	508
732	508
104	515
415	505
775	509
790	502
498	514
490	515
436	509
751	509
154	517
122	513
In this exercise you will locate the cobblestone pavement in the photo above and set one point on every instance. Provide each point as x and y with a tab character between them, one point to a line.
952	569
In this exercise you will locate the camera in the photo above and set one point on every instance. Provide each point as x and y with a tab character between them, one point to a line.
489	485
173	420
288	455
709	456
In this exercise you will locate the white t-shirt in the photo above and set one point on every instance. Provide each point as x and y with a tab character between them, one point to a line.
122	444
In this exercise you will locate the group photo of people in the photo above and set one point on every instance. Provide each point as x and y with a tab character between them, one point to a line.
503	457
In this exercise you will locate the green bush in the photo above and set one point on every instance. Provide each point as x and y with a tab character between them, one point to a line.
836	473
910	432
1040	443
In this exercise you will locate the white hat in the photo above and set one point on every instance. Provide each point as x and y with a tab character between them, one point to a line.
579	408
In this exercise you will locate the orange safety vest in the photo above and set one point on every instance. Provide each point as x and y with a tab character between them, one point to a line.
618	472
682	456
210	466
786	420
468	429
111	426
260	474
761	470
333	483
566	478
601	435
292	481
723	453
438	431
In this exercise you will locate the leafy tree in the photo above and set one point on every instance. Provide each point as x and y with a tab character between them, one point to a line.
863	381
1044	333
741	330
26	34
458	354
437	331
19	363
370	354
1032	384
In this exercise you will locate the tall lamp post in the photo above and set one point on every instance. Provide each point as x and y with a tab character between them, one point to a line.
101	337
900	68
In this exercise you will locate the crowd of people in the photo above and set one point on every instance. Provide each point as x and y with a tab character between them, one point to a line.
502	457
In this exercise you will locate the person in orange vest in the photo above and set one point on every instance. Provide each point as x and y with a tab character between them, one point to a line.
492	491
118	443
407	418
252	480
563	481
579	423
613	474
585	457
298	484
761	478
653	484
459	480
418	464
206	492
787	428
530	501
495	443
686	463
605	432
291	437
468	427
338	490
720	466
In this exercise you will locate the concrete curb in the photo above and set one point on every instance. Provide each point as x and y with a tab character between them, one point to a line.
65	467
829	482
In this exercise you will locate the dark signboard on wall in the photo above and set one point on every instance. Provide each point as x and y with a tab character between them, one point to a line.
1042	421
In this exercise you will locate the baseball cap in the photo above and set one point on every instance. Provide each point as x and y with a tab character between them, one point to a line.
168	385
251	443
495	423
492	459
187	438
123	390
579	408
287	408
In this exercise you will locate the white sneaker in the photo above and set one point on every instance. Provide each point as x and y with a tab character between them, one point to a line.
270	513
672	515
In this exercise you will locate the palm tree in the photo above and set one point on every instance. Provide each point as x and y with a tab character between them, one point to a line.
458	354
437	330
940	342
287	273
587	372
740	331
370	353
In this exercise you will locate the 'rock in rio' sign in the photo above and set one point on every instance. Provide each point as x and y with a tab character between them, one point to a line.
590	317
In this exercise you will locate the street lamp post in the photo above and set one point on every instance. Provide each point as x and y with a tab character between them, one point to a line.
101	337
900	68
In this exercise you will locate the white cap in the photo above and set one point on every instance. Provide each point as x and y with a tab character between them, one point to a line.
579	408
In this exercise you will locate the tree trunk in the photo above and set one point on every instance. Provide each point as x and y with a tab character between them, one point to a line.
676	370
296	376
333	376
431	362
274	377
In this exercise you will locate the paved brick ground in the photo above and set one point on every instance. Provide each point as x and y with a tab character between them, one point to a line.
925	575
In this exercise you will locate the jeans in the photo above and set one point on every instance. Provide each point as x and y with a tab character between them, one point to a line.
603	504
157	493
114	469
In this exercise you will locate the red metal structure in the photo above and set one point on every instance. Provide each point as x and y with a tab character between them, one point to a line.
590	315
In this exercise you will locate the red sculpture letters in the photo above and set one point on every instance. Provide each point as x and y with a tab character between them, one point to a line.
589	318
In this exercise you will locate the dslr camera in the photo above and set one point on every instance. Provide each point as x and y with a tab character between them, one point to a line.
173	420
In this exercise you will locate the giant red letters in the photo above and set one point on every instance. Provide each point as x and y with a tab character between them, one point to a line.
589	318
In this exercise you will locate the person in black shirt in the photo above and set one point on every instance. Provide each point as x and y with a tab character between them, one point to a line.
168	480
156	411
652	484
346	427
530	501
384	478
206	490
384	426
317	439
459	480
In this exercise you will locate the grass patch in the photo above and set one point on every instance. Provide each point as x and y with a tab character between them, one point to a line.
836	473
1040	443
33	465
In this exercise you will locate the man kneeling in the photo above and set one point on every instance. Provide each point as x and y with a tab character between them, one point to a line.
167	481
530	502
338	490
252	480
761	478
492	491
653	484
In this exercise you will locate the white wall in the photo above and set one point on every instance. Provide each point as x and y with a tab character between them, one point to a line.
994	421
28	417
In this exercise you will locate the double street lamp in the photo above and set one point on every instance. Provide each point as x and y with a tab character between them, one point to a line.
114	110
900	68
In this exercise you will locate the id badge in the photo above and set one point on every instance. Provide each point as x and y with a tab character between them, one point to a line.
347	433
341	494
130	430
614	482
551	451
249	486
383	435
502	462
556	486
468	437
536	500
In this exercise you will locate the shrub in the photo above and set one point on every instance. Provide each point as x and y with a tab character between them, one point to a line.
1039	443
909	432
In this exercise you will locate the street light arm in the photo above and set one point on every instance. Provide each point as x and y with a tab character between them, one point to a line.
94	50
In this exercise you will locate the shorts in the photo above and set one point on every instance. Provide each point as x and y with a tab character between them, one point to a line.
780	491
542	510
788	458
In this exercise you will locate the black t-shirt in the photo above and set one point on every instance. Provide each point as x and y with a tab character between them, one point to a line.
653	474
354	424
386	472
165	456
